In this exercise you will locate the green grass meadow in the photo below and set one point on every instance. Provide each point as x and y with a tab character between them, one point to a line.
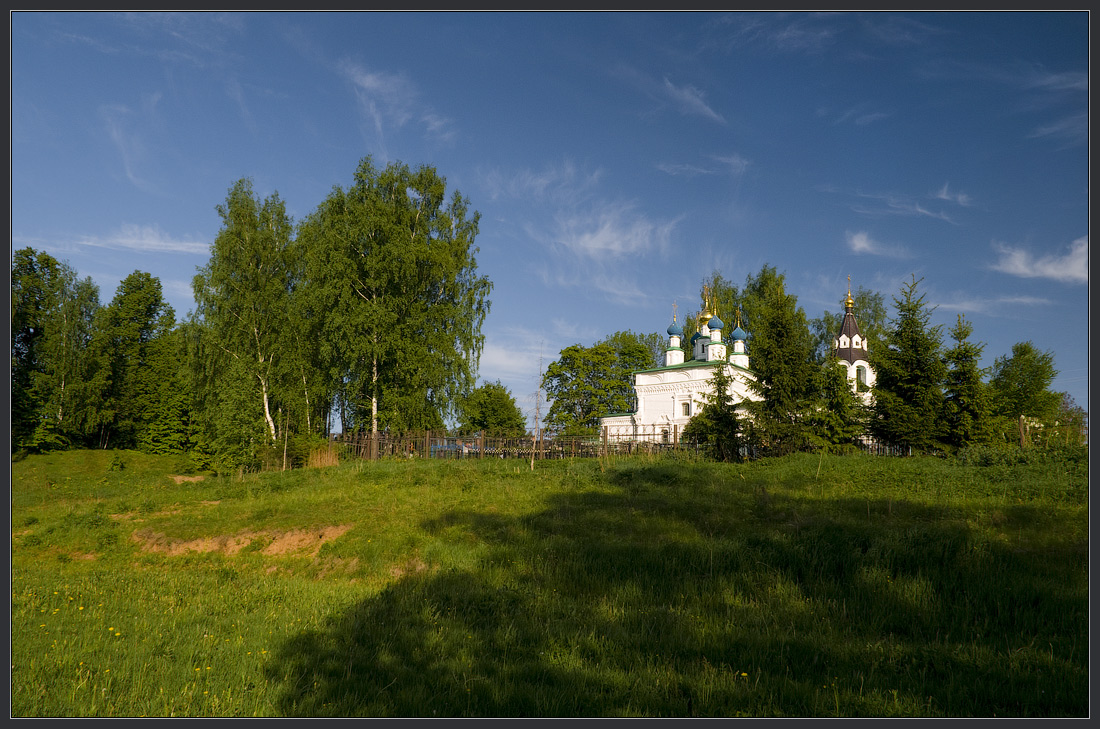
806	586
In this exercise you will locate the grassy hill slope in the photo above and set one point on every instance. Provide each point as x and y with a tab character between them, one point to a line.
842	586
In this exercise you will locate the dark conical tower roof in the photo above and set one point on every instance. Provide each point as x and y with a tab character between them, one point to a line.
849	334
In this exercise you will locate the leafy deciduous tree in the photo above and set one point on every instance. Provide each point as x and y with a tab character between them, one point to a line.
586	383
491	410
1020	385
392	283
57	381
243	298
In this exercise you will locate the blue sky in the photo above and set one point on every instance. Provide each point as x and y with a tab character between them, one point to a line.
616	159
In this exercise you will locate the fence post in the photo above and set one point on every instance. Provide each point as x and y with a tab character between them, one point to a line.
604	440
427	444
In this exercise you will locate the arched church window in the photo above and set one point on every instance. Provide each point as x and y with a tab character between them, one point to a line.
687	409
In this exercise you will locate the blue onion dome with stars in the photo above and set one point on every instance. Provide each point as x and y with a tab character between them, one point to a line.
715	322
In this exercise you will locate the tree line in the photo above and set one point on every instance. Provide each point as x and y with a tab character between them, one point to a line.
368	310
929	395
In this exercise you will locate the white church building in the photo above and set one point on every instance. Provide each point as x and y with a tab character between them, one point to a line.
667	397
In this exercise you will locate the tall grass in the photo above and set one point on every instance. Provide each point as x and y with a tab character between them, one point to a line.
848	586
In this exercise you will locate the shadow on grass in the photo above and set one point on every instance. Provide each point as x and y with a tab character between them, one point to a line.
662	597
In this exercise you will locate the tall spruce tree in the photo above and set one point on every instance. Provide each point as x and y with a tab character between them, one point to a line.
839	419
966	396
130	327
786	374
909	372
716	427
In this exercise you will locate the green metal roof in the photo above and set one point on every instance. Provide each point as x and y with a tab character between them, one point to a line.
695	363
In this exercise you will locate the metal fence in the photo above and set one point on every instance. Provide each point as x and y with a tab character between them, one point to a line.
430	444
435	444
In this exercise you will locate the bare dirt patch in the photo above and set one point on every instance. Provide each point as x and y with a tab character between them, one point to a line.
191	479
410	567
279	543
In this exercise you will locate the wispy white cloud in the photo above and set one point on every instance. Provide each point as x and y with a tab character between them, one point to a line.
1036	90
236	93
610	231
687	99
178	290
596	250
861	115
890	204
144	239
1071	129
1068	81
390	101
735	162
898	30
861	242
130	145
734	165
690	101
616	286
785	32
685	170
992	306
959	198
1072	267
563	184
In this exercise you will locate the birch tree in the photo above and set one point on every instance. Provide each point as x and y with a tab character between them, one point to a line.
391	280
243	294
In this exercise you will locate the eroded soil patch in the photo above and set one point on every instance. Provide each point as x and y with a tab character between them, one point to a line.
277	543
181	479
